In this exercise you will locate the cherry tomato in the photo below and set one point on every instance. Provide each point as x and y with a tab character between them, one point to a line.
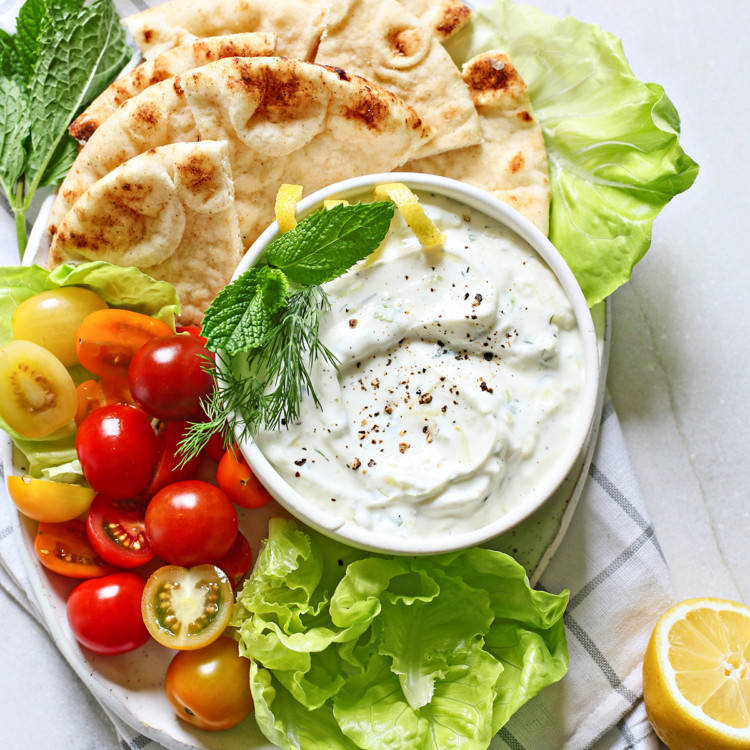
168	463
117	532
210	688
64	548
187	608
54	502
214	448
190	523
51	319
239	483
106	340
193	331
237	561
168	380
37	394
105	613
93	394
116	446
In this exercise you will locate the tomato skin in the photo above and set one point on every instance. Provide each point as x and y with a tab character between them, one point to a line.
190	523
64	548
237	481
187	608
106	340
117	446
53	502
214	448
237	561
105	613
116	531
93	394
168	380
168	469
193	331
210	688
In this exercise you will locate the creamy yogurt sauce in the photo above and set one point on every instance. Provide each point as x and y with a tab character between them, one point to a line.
461	372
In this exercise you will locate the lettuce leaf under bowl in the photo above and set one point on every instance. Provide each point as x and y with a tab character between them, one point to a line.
612	141
54	457
351	649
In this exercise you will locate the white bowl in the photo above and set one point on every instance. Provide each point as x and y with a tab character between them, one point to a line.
357	536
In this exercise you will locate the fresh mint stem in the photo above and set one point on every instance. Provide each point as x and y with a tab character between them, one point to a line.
19	211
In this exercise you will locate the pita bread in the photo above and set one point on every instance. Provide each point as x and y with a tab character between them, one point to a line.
169	212
383	42
298	24
285	121
511	162
444	17
163	66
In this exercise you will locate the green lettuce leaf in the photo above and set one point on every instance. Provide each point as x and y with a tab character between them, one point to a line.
612	141
354	649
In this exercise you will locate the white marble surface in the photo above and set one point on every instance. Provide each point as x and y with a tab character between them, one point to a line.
679	361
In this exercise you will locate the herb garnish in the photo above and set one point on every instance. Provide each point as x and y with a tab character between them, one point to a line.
263	327
63	54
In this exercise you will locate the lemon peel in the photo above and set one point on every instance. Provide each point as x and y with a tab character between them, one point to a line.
696	676
333	202
415	217
286	206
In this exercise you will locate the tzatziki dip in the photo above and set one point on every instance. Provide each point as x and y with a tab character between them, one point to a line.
460	378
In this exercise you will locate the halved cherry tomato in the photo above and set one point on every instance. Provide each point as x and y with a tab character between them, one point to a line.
239	483
210	687
237	561
117	531
168	463
187	608
191	523
54	502
116	446
168	379
105	613
93	394
107	339
64	548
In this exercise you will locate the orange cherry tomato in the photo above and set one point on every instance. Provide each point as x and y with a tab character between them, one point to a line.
64	548
210	688
53	502
95	393
107	339
238	482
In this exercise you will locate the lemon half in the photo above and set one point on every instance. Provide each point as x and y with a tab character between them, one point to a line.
696	676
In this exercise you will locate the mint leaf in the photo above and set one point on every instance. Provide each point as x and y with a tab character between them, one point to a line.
242	314
14	127
73	55
330	241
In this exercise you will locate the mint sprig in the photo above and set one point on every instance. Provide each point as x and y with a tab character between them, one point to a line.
63	54
264	326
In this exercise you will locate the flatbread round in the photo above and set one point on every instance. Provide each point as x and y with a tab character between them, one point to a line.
444	17
511	162
167	64
169	212
284	120
298	24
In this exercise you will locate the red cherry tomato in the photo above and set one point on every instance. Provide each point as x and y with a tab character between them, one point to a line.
194	331
191	523
65	549
117	531
116	446
237	561
106	340
214	448
168	464
105	613
93	394
168	380
210	688
239	483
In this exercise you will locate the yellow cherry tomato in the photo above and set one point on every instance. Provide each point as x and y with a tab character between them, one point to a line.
52	502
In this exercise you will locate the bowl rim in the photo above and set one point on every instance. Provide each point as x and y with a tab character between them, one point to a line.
358	536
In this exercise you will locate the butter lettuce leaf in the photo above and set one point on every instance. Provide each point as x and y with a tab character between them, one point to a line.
352	649
612	141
